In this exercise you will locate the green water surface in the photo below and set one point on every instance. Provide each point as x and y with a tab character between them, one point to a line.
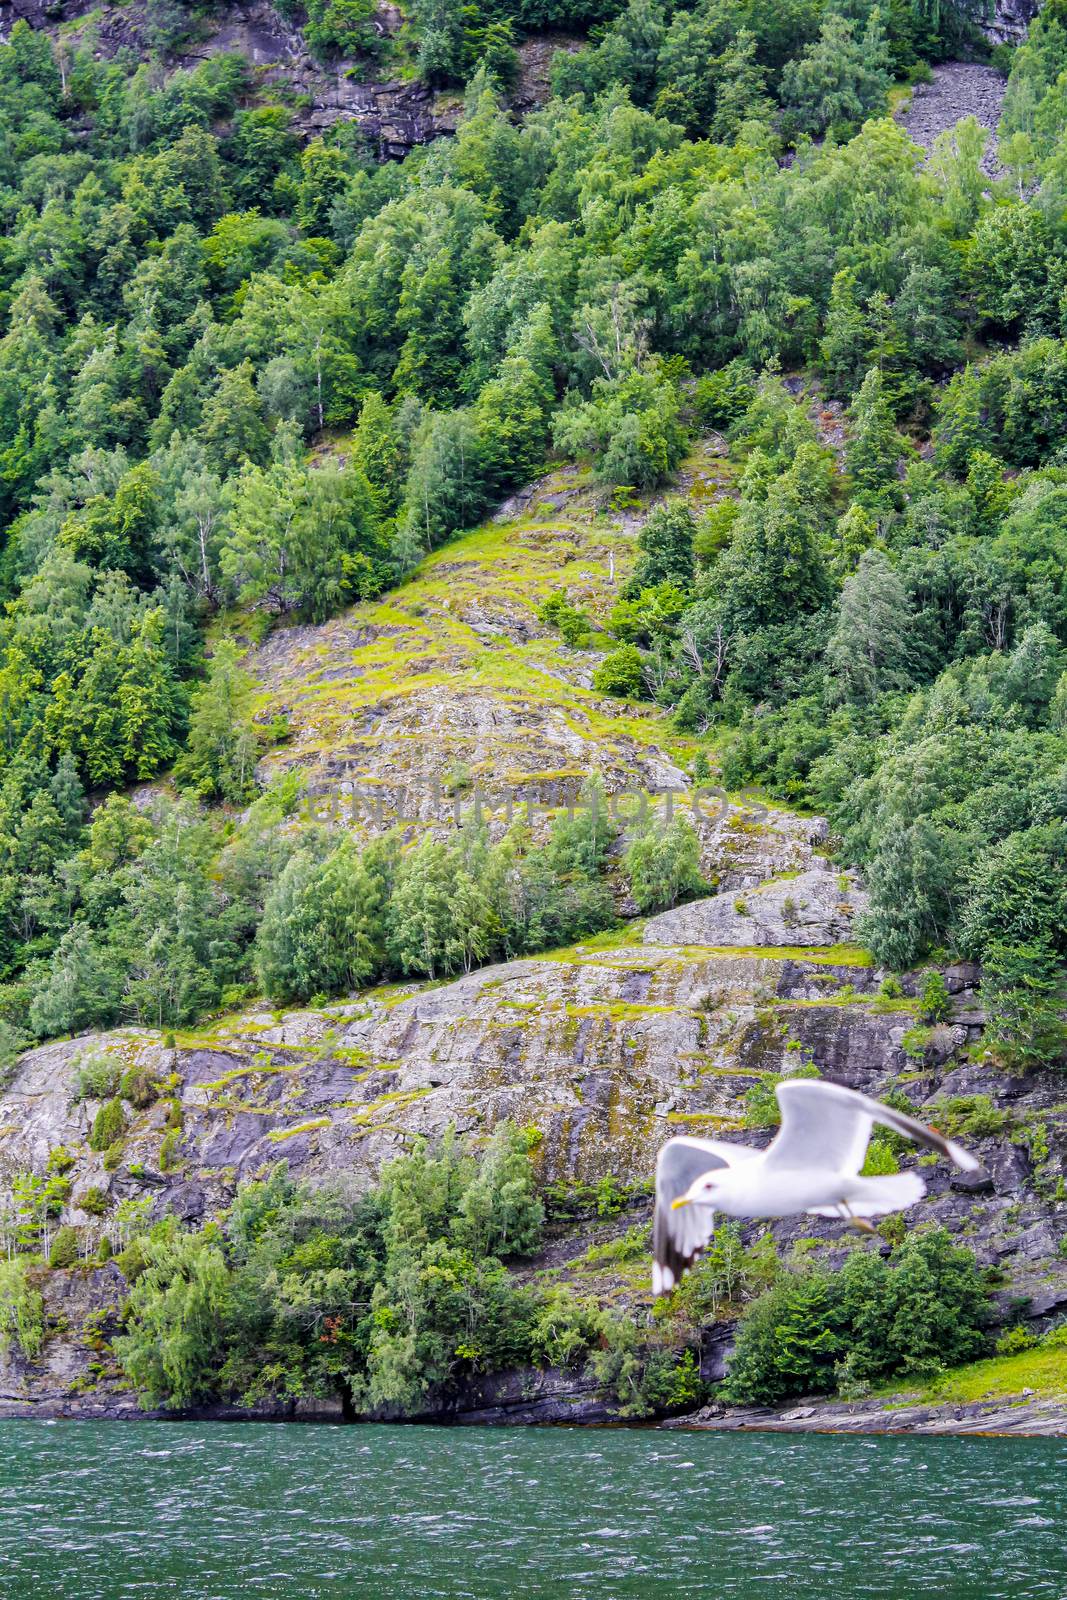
106	1511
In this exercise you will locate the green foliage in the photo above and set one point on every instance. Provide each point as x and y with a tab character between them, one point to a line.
663	865
93	1200
140	1087
21	1310
238	371
1015	1341
572	622
665	550
923	1309
218	759
305	1292
64	1251
621	673
175	1318
108	1125
971	1117
96	1078
728	1275
631	427
880	1161
935	1003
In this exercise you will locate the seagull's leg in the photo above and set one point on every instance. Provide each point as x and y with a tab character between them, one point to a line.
860	1224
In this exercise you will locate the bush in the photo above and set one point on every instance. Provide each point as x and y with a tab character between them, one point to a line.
672	1383
621	673
108	1126
96	1078
21	1311
1015	1341
881	1161
64	1251
140	1087
934	1000
93	1200
663	866
113	1156
970	1116
169	1157
573	623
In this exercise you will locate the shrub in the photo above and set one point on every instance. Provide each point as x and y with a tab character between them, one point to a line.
788	1342
93	1200
672	1383
1015	1341
108	1126
113	1156
21	1310
64	1251
663	866
969	1116
572	622
97	1078
934	1000
621	673
140	1087
881	1161
169	1157
914	1043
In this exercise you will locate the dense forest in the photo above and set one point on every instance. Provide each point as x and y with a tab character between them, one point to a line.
245	379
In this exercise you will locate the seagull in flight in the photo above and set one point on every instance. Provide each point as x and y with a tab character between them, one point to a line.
812	1166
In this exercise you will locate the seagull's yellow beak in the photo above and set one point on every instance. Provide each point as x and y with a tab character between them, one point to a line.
677	1204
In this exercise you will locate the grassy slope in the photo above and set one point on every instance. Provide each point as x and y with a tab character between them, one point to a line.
454	667
998	1378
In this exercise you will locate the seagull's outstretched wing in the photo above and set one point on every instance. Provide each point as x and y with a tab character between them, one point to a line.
678	1237
826	1125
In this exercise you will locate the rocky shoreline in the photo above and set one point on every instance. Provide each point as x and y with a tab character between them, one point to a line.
1024	1414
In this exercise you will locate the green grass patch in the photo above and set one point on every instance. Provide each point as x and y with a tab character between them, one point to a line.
277	1135
998	1378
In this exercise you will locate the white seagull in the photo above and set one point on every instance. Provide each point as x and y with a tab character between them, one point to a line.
812	1165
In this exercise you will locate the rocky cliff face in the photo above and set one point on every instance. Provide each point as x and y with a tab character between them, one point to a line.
394	116
607	1050
1009	20
608	1047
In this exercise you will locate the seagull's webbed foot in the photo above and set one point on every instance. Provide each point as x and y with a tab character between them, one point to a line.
860	1224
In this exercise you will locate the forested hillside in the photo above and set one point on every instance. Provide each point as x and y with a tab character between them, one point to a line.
795	398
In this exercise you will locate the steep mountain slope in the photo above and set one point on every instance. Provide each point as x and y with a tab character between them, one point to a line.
677	1022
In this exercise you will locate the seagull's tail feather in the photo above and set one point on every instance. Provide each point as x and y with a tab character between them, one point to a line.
873	1197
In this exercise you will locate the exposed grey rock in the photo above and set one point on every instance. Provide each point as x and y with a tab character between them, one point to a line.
1017	1414
959	89
810	909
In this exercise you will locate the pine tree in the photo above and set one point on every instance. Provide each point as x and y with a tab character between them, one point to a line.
378	450
874	447
870	651
221	749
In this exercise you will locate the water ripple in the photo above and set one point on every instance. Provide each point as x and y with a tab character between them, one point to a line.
98	1511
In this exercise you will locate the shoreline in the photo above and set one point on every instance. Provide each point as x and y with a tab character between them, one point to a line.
1021	1416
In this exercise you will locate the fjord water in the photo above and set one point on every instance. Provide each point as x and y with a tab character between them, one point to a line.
102	1511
